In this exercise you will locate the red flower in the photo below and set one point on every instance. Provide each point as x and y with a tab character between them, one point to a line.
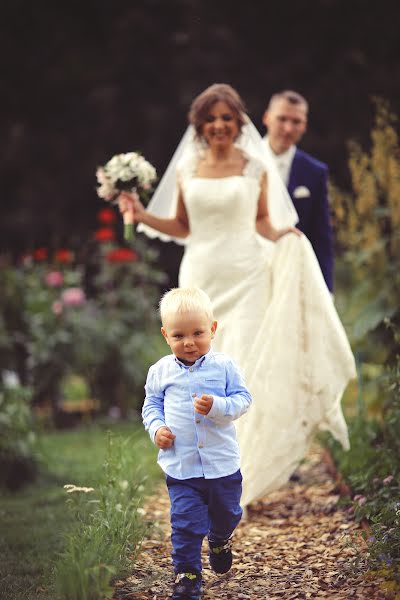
106	216
104	234
122	255
40	254
63	256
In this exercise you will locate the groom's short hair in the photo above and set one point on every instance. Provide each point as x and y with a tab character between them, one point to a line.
290	96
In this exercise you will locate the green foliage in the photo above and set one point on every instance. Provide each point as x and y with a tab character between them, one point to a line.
74	388
96	319
17	437
367	228
367	232
106	529
122	326
78	455
372	468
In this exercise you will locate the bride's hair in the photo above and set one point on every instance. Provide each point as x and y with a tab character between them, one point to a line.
218	92
181	300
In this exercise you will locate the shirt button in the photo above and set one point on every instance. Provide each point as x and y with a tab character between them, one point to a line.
191	369
201	446
198	421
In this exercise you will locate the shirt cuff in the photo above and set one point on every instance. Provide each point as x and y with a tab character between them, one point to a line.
154	427
218	408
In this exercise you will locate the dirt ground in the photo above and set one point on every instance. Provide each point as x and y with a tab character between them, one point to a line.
296	543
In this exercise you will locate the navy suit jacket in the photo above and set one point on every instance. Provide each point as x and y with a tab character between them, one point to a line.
313	210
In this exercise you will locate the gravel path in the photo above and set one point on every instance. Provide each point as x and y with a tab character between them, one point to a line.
296	543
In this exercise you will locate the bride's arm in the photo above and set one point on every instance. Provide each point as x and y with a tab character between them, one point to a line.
263	223
177	226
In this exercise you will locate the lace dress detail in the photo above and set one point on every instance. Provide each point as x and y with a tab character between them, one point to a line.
275	317
187	167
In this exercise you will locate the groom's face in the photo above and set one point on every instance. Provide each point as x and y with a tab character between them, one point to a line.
286	124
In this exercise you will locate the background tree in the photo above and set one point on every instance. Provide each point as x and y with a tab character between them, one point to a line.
81	81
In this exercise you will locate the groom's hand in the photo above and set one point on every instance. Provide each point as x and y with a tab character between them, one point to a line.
203	405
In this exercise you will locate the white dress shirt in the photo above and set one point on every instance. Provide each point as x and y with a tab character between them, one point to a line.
283	161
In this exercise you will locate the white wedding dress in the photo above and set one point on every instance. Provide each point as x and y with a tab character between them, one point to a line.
275	317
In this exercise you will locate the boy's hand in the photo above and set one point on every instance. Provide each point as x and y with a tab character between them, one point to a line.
203	405
164	438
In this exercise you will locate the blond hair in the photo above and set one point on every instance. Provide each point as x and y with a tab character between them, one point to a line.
180	300
290	96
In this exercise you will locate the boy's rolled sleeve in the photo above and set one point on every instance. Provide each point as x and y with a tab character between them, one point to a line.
237	399
153	406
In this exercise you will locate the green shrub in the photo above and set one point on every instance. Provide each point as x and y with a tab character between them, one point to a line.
105	531
95	318
372	468
367	231
367	223
17	438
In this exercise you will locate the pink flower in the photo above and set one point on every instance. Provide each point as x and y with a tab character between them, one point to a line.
27	260
388	480
57	307
361	500
73	297
54	279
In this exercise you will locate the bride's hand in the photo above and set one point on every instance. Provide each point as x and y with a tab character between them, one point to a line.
130	207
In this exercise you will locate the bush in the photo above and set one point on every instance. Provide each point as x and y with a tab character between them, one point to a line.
367	230
92	316
372	469
17	438
105	531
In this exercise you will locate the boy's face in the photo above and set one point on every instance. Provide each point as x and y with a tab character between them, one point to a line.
189	335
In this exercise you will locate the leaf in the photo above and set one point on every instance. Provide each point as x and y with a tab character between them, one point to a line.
371	316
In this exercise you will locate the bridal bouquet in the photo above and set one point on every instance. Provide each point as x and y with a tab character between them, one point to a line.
128	172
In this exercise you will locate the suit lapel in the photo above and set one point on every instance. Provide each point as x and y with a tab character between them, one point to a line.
293	172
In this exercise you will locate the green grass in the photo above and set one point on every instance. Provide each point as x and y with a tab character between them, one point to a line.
34	519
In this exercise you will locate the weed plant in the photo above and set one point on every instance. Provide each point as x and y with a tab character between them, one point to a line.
106	530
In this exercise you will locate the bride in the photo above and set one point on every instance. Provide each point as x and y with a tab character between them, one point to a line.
275	314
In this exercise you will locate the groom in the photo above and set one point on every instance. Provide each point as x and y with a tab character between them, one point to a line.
304	176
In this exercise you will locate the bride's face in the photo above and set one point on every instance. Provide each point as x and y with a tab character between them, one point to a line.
220	128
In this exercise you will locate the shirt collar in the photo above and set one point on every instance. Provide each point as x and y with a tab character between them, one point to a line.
286	157
203	360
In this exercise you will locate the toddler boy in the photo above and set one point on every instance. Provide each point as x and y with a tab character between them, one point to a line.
192	397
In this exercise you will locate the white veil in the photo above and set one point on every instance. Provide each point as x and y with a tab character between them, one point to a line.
163	203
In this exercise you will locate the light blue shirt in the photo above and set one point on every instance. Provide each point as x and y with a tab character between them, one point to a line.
205	446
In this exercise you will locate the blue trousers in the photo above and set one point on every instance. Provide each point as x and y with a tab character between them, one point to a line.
201	507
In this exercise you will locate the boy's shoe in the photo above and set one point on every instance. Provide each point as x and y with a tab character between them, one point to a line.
220	555
187	586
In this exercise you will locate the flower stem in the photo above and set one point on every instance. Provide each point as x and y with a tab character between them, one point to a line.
128	232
